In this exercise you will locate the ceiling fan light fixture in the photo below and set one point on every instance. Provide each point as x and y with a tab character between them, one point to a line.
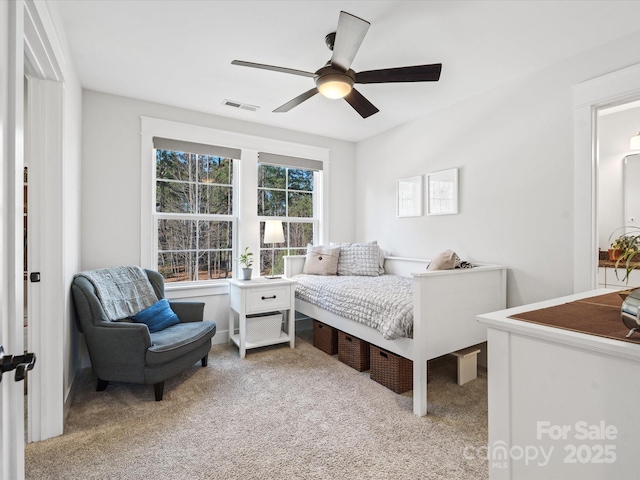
334	85
336	78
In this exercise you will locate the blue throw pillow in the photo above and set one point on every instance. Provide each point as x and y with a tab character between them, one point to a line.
157	317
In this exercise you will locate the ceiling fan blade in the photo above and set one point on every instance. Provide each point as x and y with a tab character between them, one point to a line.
418	73
275	69
349	35
360	104
297	101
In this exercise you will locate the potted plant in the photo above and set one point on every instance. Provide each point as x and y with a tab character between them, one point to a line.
624	248
246	259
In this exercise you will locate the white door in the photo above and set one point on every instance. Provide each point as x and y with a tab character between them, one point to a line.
11	423
11	238
12	410
43	150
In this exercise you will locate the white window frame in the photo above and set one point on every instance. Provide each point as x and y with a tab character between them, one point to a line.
196	216
246	223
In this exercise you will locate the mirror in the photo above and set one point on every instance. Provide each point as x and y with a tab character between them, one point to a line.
618	170
632	190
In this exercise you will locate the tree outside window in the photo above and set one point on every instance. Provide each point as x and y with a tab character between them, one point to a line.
194	215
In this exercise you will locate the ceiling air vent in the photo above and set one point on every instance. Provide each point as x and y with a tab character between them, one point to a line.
240	105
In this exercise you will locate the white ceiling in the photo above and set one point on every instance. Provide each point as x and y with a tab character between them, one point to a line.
179	52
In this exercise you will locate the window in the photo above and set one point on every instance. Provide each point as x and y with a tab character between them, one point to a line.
200	202
286	193
194	212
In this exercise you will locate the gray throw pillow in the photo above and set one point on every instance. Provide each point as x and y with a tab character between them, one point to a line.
360	259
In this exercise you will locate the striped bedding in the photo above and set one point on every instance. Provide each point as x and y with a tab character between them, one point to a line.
384	302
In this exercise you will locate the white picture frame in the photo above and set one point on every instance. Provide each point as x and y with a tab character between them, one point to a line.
442	192
409	197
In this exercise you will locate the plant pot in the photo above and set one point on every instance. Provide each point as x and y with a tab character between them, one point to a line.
245	273
614	254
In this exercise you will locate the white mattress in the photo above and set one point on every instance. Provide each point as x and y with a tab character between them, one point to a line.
384	303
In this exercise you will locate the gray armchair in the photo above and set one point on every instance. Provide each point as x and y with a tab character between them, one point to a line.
124	351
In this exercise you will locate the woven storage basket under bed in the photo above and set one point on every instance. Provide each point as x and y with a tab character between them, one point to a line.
353	351
393	371
325	337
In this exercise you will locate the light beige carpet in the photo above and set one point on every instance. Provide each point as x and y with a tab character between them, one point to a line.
278	414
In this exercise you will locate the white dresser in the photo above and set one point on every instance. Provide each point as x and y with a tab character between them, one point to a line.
613	278
562	404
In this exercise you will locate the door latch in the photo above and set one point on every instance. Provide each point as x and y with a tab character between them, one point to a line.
34	277
20	363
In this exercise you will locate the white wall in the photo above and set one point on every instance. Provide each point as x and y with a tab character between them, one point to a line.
614	132
514	148
111	181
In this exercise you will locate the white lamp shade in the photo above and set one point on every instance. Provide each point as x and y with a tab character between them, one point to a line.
273	231
634	144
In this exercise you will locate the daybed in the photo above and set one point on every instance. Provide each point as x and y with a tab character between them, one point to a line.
445	306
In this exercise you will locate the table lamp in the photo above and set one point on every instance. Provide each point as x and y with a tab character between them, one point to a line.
273	233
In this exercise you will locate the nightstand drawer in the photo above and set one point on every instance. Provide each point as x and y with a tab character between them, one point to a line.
267	299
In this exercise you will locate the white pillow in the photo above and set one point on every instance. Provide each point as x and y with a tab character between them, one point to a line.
444	261
360	259
321	260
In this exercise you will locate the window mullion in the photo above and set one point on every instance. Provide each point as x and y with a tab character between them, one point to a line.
196	184
196	223
191	216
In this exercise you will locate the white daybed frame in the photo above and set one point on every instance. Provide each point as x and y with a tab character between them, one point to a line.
445	306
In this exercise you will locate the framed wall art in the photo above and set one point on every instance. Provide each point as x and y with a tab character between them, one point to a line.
442	192
409	197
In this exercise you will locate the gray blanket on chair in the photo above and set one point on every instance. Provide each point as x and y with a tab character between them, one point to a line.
123	291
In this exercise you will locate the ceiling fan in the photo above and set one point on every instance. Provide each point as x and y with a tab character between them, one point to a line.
336	79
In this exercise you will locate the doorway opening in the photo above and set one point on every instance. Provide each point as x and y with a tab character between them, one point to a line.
611	90
618	183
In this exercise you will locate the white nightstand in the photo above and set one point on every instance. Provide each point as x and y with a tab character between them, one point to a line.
261	296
